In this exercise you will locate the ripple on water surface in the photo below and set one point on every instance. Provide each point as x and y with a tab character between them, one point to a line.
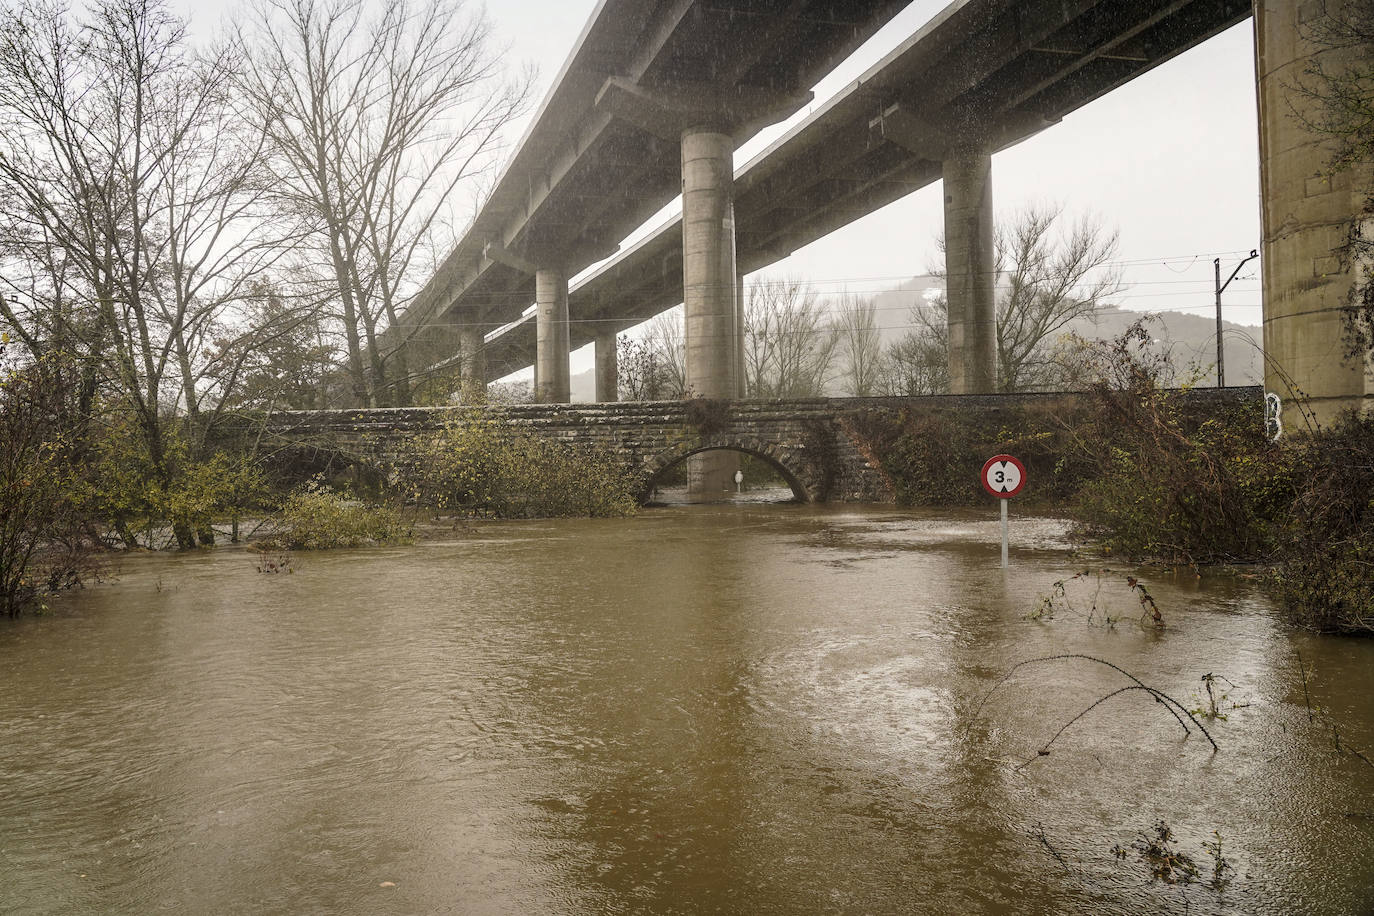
759	709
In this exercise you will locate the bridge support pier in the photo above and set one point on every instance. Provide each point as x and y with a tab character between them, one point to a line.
709	286
607	368
1306	219
741	372
551	383
474	363
970	271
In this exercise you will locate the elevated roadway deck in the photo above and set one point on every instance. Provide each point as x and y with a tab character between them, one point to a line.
602	153
992	71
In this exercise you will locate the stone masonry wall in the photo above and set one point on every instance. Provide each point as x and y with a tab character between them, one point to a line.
805	439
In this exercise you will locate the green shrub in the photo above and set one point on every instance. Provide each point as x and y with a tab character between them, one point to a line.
1169	488
1168	477
317	518
1324	575
138	503
43	545
476	466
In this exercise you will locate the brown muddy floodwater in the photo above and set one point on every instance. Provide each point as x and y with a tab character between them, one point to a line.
735	709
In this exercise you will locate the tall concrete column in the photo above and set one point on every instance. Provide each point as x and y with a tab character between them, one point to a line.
708	261
551	385
741	367
474	363
1306	217
607	368
970	272
708	287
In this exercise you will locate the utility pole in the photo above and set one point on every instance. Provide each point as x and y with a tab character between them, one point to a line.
1221	288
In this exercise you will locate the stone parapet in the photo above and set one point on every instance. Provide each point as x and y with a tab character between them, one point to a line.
805	439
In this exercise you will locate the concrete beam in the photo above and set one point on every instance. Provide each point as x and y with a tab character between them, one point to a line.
650	47
500	254
666	112
915	134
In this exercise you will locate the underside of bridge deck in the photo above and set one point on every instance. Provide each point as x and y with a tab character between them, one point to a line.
983	74
980	76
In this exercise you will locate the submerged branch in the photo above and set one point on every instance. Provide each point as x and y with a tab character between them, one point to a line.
1177	709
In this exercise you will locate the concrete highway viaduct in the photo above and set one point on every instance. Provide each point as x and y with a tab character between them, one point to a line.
658	94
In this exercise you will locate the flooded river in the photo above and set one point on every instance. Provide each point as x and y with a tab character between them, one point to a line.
735	709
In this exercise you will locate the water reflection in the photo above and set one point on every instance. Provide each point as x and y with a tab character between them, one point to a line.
731	709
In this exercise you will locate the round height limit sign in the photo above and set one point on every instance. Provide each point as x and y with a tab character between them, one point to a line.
1003	477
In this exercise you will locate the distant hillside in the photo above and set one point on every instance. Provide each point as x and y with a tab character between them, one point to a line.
1189	339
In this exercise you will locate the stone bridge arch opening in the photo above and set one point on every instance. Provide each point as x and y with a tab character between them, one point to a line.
655	468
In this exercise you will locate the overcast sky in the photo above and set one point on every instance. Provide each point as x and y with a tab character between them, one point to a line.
1170	159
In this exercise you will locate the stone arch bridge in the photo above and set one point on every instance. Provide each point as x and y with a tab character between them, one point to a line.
810	442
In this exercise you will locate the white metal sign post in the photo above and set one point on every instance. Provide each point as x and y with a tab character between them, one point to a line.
1003	476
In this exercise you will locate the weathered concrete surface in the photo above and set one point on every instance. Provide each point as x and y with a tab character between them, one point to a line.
472	352
807	440
607	368
598	159
552	384
970	272
1306	218
713	332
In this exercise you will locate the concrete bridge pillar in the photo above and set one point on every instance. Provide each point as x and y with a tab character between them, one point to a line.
607	368
474	364
709	286
1306	217
970	271
741	369
551	384
708	262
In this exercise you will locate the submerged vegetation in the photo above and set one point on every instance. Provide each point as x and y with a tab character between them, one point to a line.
1152	475
475	466
319	518
43	543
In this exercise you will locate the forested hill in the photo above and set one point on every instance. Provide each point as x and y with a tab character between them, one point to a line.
1190	339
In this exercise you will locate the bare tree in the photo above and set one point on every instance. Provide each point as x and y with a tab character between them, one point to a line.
291	367
640	373
789	345
375	117
1049	275
858	345
666	345
918	362
129	212
506	393
1342	93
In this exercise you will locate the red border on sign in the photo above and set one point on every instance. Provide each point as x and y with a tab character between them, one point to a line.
998	459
